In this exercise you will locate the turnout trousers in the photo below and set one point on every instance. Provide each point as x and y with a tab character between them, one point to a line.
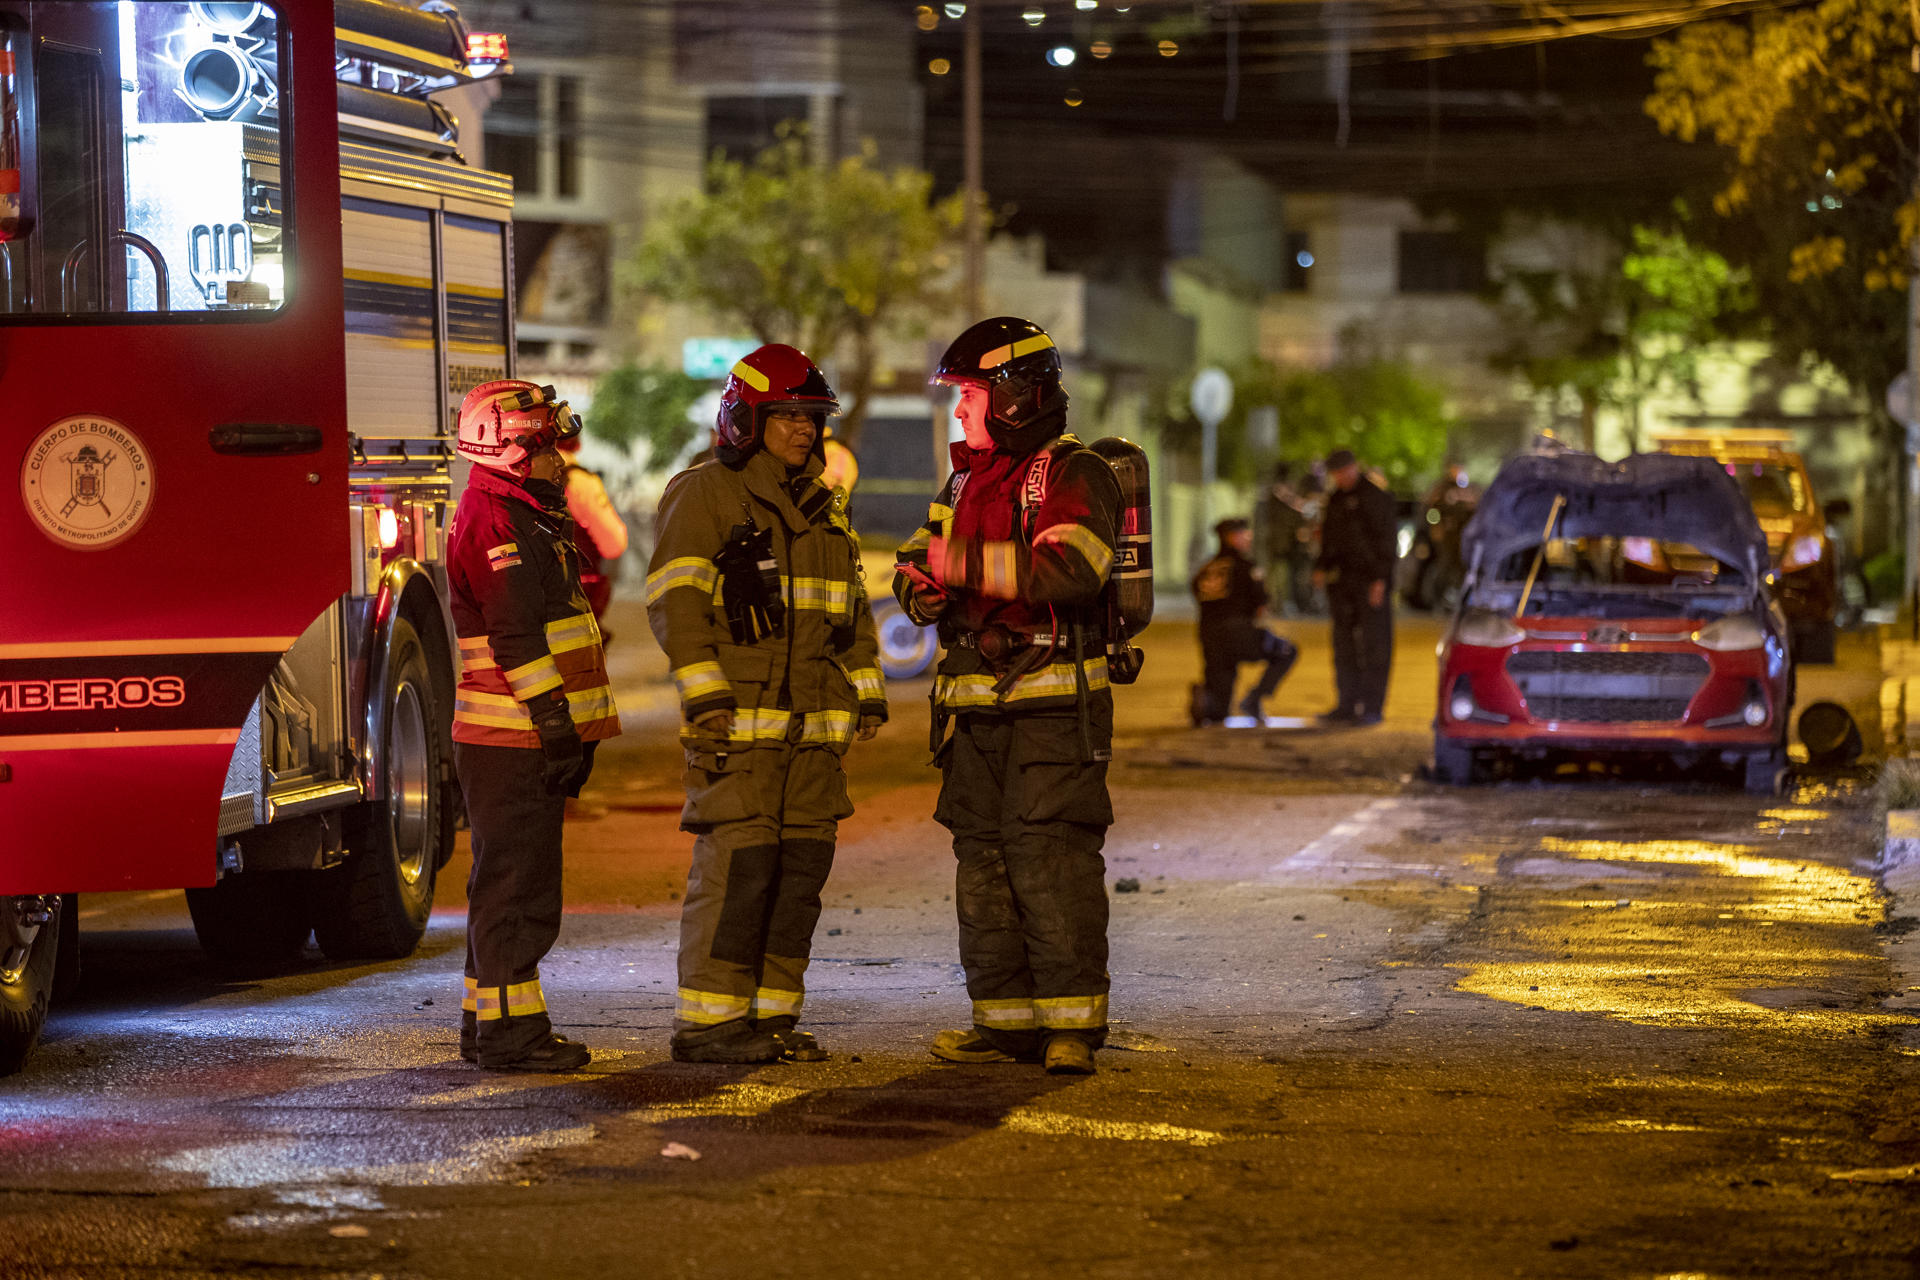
764	821
1224	650
1029	815
513	898
1362	648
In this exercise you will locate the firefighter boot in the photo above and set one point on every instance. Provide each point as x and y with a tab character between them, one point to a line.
732	1041
795	1045
555	1053
972	1047
1069	1055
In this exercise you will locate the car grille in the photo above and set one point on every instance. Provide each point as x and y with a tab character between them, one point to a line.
1609	687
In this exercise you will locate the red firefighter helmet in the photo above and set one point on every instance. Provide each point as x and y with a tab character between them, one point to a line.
504	423
774	378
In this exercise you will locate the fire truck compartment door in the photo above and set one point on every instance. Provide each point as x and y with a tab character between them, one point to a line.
168	531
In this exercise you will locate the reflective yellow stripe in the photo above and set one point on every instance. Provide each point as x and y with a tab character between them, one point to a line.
834	728
686	571
500	711
769	1003
537	676
1054	681
819	593
750	725
750	375
920	541
469	1001
1000	570
708	1008
1097	554
1076	1013
699	680
1013	350
476	654
518	1000
577	632
1004	1015
869	684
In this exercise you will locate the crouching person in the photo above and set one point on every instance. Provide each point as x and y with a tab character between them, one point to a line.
755	593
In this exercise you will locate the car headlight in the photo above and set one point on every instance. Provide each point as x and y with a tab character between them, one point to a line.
1487	629
1735	631
1803	551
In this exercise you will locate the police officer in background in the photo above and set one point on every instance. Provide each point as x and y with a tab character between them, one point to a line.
1356	560
532	703
755	594
1011	564
1232	600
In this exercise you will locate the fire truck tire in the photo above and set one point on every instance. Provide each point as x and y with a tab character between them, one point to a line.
27	956
375	907
253	924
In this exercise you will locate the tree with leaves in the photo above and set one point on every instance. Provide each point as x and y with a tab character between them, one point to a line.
1614	320
1814	108
636	402
825	256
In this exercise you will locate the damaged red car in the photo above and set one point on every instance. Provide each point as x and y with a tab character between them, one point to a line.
1577	639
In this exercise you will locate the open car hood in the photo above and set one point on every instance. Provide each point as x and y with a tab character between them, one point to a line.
1649	495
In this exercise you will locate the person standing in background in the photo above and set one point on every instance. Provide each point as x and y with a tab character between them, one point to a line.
1355	564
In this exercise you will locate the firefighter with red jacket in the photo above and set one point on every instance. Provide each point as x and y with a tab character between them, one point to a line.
532	703
755	593
1011	564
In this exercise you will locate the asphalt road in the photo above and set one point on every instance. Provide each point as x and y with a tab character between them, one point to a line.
1363	1026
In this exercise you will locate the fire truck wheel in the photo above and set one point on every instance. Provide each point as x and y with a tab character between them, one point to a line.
29	943
252	924
375	907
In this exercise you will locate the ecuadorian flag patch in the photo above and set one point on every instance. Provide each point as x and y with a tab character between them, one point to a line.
504	556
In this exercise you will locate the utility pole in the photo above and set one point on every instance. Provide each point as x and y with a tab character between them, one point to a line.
974	266
1910	451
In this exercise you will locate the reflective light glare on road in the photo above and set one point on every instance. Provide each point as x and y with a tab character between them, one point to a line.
1061	55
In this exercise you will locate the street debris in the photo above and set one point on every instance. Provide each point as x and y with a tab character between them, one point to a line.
1126	884
1897	1173
679	1151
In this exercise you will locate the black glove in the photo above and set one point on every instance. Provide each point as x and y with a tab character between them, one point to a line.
560	745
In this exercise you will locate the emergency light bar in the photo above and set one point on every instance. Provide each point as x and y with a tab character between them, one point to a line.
487	52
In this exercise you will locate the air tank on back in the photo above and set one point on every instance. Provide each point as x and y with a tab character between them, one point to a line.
1130	587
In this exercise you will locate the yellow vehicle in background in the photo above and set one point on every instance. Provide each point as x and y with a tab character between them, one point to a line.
1776	482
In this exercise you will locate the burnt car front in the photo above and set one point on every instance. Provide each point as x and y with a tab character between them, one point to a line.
1614	608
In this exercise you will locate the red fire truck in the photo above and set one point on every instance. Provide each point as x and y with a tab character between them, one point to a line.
245	279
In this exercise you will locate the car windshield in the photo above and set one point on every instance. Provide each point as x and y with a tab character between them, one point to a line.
1775	489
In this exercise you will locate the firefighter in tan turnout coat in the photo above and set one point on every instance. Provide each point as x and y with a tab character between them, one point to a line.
755	594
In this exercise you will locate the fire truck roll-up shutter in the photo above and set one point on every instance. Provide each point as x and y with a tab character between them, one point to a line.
134	641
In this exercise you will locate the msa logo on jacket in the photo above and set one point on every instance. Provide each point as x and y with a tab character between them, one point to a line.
87	482
504	556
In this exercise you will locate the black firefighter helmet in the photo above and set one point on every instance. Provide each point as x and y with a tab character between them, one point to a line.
1020	367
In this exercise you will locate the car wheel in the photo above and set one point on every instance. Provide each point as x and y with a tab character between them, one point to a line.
1761	773
1455	764
375	906
906	647
253	924
29	948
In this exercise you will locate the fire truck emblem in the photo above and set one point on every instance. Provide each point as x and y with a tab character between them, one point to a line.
87	482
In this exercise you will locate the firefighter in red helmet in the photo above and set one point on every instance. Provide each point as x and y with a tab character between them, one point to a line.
533	700
755	593
1011	564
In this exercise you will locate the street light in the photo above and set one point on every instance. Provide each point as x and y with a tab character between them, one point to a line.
1061	55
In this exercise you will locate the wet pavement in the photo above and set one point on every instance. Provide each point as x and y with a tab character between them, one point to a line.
1363	1025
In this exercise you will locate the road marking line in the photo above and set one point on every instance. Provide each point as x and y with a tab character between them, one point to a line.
1320	852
